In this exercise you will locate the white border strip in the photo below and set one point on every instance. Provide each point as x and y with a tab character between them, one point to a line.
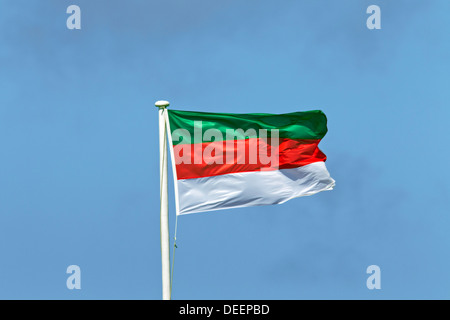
172	156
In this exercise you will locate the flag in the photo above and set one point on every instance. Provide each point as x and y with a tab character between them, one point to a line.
226	160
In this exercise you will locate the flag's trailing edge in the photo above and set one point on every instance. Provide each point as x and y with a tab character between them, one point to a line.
226	160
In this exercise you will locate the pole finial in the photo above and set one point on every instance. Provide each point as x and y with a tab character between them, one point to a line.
162	104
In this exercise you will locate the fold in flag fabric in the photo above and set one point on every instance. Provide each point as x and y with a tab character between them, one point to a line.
226	160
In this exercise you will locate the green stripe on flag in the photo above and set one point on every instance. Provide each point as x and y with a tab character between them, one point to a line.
295	125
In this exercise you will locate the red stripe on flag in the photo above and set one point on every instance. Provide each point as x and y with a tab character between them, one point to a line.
293	153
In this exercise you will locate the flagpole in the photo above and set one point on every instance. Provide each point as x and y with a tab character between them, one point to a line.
164	205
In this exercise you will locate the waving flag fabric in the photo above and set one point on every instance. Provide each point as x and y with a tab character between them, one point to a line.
225	160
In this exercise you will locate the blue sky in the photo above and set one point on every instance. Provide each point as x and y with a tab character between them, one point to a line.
79	181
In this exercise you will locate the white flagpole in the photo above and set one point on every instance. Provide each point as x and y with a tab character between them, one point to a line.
164	205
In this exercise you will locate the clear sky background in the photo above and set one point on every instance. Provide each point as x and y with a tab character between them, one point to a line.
79	180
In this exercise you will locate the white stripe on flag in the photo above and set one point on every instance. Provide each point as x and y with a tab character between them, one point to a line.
254	188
